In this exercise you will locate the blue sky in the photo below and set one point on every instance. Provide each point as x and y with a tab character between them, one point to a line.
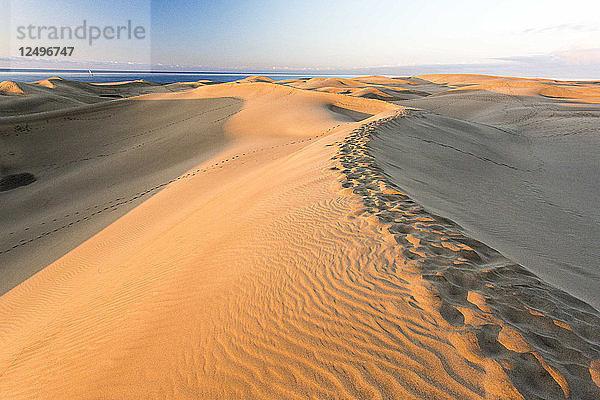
339	35
370	33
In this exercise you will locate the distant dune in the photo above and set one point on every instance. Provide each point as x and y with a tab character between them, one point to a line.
10	88
257	78
369	238
54	94
49	83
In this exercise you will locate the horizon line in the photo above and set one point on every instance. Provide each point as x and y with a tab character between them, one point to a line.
291	72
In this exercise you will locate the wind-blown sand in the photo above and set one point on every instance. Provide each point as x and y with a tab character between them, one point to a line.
253	240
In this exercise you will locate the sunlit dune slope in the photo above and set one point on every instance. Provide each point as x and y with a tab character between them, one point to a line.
275	110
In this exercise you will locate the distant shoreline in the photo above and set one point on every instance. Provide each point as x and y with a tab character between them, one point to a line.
107	71
104	76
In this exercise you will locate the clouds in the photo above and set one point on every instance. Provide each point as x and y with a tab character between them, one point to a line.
562	28
570	57
61	64
581	56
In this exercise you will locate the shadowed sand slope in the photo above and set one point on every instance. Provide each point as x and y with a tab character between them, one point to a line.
85	168
515	168
289	265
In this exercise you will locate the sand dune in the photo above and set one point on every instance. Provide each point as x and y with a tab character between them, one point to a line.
256	78
54	94
458	79
277	252
49	82
532	88
375	87
288	112
315	83
573	90
384	80
10	88
368	92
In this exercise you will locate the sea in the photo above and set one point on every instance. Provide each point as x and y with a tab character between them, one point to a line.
158	77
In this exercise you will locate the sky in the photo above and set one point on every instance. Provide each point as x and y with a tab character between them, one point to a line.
543	37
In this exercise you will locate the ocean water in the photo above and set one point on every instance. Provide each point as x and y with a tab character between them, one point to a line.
158	77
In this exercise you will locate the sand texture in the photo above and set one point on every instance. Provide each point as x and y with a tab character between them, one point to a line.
298	239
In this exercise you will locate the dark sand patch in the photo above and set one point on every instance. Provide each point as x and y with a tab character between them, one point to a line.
14	181
352	114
